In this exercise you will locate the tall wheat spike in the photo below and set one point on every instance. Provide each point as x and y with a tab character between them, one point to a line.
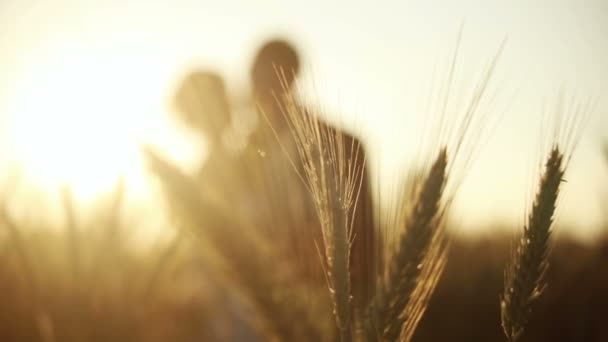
419	247
282	314
333	179
524	275
418	261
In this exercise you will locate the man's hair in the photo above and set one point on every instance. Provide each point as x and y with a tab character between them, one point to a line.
276	59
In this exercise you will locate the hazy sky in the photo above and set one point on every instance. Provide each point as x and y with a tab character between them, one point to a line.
98	75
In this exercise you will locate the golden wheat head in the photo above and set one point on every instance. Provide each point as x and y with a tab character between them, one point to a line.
524	275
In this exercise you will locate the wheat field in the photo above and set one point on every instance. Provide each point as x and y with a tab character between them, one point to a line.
283	241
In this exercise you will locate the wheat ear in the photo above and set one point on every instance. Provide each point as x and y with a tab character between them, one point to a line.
525	272
333	179
420	248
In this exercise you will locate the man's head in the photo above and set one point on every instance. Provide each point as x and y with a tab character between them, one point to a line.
202	103
275	68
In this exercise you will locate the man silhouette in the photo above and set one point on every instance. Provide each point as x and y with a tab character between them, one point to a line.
273	73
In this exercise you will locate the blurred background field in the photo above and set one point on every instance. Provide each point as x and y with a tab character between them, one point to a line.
130	296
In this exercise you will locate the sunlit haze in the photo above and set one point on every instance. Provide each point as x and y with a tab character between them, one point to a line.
85	84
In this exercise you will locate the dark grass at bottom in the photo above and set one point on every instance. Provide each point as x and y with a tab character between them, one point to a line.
465	305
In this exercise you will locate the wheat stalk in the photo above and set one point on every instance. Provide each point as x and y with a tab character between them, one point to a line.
524	275
417	264
333	175
417	250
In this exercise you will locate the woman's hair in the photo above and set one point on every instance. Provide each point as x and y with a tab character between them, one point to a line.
202	103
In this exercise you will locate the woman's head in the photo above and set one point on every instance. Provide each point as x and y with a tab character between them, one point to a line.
202	103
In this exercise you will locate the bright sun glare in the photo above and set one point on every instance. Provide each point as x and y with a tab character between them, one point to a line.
79	119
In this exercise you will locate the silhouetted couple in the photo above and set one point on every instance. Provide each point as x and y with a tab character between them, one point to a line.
259	182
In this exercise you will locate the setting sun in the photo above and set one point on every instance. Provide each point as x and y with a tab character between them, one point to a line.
79	118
